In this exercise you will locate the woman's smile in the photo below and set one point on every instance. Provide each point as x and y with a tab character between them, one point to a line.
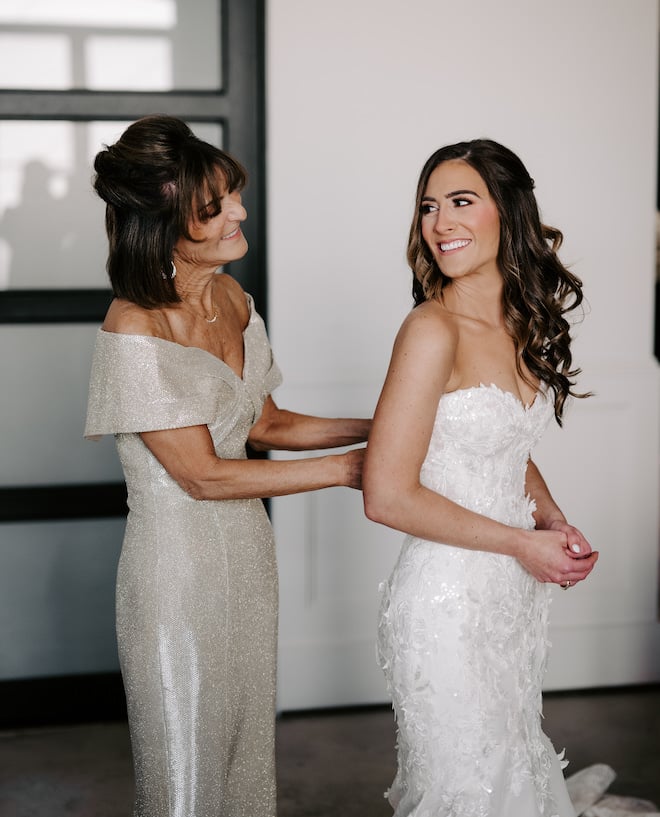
451	246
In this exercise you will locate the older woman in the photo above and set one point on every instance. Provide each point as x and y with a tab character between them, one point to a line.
182	375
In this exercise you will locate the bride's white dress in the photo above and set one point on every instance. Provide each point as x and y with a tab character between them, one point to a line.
463	634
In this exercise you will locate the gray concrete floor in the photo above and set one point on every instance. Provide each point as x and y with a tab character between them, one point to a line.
330	764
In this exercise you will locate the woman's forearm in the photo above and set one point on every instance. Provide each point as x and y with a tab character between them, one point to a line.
547	511
247	479
423	513
289	431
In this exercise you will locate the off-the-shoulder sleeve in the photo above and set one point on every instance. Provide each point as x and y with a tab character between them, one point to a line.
141	383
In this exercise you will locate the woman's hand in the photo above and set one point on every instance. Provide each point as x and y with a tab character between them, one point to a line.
551	555
570	559
577	545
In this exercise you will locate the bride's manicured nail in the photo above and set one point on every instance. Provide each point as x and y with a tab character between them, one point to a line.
575	548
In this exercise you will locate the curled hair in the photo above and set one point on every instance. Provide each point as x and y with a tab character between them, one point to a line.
538	289
156	180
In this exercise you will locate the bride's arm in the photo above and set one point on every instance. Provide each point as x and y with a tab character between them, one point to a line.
421	365
548	515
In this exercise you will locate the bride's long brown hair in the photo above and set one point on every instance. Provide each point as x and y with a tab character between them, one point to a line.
538	289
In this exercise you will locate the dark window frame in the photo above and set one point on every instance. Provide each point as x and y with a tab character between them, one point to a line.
238	106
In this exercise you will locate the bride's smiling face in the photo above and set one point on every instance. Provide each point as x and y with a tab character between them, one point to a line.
460	222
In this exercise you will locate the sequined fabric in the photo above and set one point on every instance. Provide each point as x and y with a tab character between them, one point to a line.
196	584
463	634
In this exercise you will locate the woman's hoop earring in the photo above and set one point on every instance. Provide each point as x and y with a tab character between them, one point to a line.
172	274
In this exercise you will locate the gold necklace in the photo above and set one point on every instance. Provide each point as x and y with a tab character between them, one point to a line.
197	315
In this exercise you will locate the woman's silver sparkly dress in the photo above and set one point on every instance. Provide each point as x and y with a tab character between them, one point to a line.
463	633
197	581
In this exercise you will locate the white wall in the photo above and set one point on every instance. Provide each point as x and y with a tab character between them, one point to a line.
359	94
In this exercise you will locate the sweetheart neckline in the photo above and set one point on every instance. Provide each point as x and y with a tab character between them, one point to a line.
493	386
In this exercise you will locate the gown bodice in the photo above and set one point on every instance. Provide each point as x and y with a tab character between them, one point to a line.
479	447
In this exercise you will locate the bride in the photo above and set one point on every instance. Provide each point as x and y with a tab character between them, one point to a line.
479	368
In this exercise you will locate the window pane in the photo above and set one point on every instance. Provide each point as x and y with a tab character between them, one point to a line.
52	231
126	45
57	598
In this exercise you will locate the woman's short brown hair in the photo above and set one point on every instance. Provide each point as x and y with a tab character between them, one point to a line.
155	180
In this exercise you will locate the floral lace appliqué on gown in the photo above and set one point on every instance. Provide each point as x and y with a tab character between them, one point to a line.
463	634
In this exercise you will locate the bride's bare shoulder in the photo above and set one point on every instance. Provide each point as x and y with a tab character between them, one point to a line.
429	323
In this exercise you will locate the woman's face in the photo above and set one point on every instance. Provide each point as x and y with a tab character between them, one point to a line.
459	221
218	238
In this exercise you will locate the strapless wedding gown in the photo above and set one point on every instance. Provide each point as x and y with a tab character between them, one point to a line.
463	634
